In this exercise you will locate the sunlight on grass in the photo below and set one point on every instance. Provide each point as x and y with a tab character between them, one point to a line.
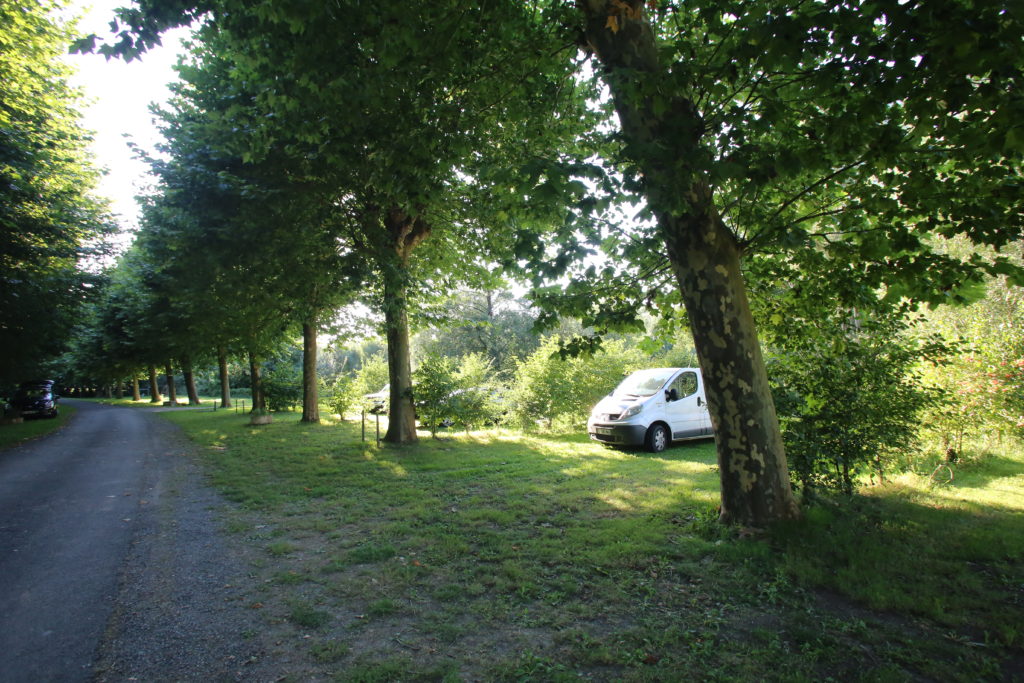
612	561
1006	492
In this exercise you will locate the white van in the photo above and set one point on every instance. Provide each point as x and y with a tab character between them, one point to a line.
652	408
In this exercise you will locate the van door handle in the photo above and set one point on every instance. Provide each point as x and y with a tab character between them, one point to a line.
699	402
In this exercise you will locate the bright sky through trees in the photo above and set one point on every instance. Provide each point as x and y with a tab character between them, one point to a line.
121	94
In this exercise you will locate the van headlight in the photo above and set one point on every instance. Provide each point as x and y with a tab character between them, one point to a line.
631	411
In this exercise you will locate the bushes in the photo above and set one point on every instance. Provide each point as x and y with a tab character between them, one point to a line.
849	405
550	388
282	387
466	395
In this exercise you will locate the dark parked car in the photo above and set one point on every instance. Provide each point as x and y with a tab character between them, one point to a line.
36	399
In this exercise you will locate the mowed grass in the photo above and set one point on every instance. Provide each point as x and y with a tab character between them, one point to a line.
503	556
14	434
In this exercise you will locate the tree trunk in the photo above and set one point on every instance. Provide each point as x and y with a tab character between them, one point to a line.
154	386
225	383
172	392
136	394
662	130
259	402
118	389
310	392
190	381
405	232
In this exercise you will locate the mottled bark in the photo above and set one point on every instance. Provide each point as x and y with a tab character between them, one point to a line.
663	130
190	381
154	386
405	232
310	390
225	382
136	394
172	391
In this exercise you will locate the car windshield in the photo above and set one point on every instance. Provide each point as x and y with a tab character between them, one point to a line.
644	382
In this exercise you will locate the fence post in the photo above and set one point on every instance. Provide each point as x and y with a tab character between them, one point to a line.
378	430
362	422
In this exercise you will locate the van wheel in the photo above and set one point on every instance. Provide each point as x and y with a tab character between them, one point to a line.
657	438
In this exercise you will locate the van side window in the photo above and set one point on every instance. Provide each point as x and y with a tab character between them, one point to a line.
685	384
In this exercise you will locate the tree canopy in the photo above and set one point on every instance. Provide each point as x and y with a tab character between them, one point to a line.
755	140
49	219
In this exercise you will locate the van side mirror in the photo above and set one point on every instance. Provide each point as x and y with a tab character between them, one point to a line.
672	394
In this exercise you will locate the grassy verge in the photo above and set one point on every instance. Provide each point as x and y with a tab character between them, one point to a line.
499	556
14	434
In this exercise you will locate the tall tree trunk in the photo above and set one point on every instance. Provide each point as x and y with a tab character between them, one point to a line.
154	386
405	232
136	394
225	382
172	391
259	401
662	130
190	381
118	389
310	392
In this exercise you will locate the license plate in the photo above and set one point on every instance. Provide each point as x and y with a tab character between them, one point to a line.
607	431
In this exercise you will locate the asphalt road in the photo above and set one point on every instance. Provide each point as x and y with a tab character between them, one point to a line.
112	565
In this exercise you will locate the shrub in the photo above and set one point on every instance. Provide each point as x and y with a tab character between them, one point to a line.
282	388
848	404
341	396
434	386
551	388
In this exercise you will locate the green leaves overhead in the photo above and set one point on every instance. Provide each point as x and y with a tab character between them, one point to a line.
49	219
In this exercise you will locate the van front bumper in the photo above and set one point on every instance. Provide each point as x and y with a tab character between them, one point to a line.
619	435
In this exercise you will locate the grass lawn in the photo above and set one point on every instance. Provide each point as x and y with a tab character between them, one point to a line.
509	557
14	434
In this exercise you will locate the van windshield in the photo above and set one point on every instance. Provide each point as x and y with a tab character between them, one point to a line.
644	382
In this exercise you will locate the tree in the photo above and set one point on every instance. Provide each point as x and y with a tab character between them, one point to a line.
491	322
858	130
855	130
49	218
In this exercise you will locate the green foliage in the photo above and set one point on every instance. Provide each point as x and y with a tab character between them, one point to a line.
371	377
478	399
549	387
341	396
849	406
434	384
491	323
282	387
49	217
981	380
843	368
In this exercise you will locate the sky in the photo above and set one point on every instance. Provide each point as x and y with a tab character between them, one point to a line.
120	94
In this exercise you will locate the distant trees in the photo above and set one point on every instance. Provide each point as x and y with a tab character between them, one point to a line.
50	220
850	133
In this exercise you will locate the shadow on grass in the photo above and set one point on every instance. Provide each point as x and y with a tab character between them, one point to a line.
12	435
571	530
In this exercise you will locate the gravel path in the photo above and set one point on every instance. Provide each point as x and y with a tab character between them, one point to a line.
182	612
